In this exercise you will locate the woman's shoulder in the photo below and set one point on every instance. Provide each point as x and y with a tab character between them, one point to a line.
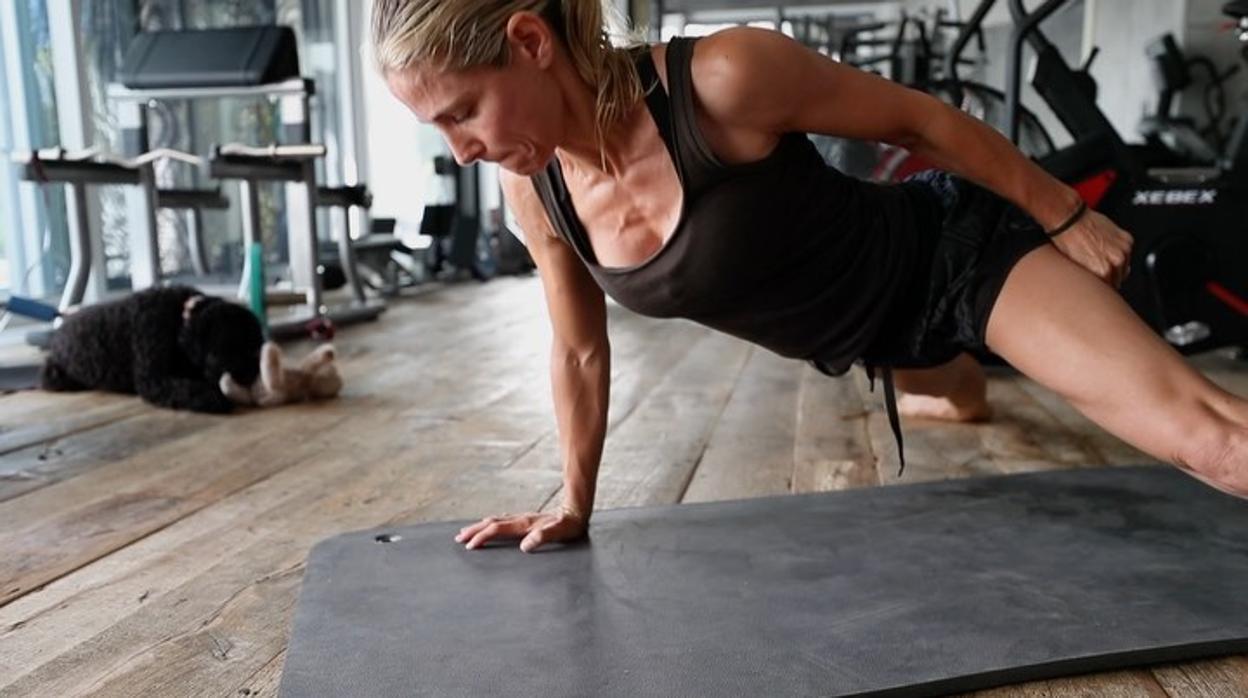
732	74
739	51
734	71
719	55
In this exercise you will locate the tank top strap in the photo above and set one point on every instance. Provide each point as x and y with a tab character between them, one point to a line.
552	190
701	166
657	103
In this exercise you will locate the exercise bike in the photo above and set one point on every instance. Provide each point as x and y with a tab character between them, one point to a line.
1190	223
1172	72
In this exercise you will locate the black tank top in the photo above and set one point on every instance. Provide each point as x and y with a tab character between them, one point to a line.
785	252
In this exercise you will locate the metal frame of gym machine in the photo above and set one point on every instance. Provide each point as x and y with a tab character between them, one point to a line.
76	174
55	166
296	170
77	165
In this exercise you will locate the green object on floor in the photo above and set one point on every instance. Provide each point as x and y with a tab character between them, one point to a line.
256	284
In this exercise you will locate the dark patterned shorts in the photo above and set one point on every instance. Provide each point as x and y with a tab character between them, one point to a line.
945	309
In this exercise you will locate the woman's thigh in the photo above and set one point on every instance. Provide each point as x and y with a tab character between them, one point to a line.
1066	329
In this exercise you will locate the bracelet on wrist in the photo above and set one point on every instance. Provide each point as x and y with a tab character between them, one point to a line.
1074	218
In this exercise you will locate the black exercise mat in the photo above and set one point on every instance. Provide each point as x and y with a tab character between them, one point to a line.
14	378
912	590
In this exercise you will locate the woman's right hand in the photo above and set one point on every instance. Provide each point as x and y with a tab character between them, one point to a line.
1097	244
534	529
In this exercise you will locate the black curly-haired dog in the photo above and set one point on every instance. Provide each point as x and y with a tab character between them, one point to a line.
168	345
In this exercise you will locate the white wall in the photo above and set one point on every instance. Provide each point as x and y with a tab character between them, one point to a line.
400	150
1204	32
1122	28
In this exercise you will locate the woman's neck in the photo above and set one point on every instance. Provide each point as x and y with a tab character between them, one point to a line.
581	145
618	149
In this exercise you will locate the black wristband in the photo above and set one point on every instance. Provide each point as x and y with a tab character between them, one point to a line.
1074	218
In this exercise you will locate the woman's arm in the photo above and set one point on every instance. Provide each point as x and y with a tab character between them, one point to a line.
580	372
763	81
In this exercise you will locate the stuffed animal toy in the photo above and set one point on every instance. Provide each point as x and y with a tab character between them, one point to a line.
314	378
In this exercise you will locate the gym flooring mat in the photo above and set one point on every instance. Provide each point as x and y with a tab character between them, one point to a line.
910	590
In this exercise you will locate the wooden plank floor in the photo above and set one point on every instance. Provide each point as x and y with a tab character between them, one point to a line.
147	552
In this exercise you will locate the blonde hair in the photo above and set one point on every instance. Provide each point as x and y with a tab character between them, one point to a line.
460	34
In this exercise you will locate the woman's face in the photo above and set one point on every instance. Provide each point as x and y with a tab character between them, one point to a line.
510	115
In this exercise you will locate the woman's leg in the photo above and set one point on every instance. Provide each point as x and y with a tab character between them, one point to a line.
1063	327
956	391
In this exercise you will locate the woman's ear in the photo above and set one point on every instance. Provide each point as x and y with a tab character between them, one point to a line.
530	38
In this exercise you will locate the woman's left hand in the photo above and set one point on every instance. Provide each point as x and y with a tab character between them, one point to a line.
1098	245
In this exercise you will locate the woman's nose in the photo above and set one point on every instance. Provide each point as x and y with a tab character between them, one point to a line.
466	151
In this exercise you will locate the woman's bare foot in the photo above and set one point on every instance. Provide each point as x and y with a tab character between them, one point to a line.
943	408
954	392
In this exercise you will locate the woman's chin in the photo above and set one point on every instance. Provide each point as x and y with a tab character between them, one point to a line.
523	166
